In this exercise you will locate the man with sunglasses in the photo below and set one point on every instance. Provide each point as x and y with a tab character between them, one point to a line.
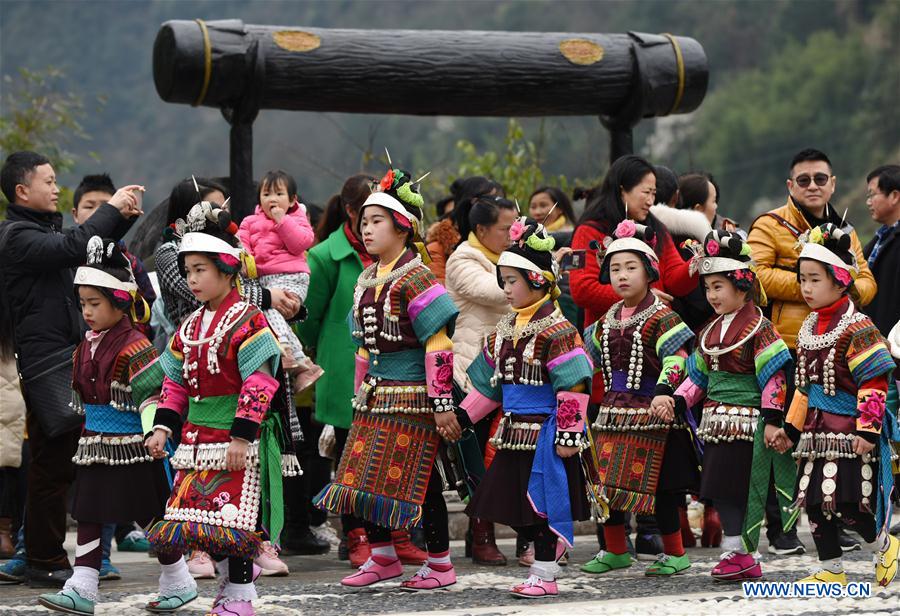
773	239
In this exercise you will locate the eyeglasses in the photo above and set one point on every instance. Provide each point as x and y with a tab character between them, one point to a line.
872	195
804	180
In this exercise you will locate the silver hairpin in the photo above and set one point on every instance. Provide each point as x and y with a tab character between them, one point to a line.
547	215
391	164
227	199
196	187
95	251
422	178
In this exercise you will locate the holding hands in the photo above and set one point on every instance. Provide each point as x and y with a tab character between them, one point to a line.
663	407
448	426
156	443
777	439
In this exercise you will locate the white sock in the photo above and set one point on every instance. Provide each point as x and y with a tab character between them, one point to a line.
835	565
386	551
439	560
239	592
175	578
547	570
84	581
733	543
881	543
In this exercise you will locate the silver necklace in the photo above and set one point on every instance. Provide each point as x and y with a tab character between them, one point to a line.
231	318
807	341
531	368
716	353
636	358
391	323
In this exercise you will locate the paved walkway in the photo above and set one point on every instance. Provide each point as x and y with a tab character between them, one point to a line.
313	589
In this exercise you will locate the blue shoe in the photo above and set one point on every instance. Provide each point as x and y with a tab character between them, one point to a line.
108	571
68	601
170	603
13	570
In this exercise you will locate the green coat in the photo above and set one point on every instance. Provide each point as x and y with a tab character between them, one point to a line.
334	268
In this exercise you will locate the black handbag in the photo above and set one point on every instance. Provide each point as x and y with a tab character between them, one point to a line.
48	393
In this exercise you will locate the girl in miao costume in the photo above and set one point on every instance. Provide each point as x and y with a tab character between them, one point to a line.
401	320
220	383
838	419
646	460
116	376
535	366
738	372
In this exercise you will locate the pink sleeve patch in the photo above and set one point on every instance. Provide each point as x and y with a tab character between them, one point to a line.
418	304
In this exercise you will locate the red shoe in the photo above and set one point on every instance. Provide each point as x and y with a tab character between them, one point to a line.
358	547
406	550
736	567
712	528
484	547
688	539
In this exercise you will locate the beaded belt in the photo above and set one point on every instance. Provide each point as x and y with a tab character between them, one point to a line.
213	456
827	445
513	433
728	423
111	450
374	398
620	419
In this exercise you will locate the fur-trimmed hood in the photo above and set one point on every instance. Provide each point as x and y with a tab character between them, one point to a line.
682	223
444	233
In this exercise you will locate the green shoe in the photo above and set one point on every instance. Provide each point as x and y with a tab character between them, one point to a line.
134	542
68	601
605	561
172	602
667	564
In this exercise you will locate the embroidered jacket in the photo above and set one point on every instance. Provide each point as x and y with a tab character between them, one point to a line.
644	359
111	388
741	383
541	375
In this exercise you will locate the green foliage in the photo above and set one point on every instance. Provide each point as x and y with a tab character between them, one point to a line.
516	164
836	92
40	116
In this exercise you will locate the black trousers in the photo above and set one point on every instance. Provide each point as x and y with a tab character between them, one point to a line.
299	491
825	531
50	473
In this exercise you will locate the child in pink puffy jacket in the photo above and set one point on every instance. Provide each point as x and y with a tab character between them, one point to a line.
278	235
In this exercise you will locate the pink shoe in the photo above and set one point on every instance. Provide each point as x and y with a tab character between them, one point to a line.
268	561
429	578
376	569
535	588
736	567
201	566
232	608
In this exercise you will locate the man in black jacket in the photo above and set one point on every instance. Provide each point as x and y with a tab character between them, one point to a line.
883	252
37	262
